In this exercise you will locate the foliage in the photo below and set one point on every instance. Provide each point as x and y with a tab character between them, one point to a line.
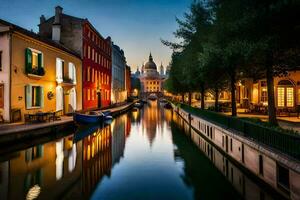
221	40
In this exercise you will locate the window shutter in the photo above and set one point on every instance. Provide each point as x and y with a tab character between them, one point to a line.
28	60
42	97
28	92
40	60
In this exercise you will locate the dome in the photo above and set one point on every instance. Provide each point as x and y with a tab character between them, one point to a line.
150	65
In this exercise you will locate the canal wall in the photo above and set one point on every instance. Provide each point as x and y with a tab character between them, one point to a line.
279	171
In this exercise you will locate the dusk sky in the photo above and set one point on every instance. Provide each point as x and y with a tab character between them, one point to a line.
135	25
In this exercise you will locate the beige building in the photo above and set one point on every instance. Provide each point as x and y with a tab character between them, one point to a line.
151	80
38	75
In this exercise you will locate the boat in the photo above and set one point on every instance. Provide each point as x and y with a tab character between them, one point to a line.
91	117
138	105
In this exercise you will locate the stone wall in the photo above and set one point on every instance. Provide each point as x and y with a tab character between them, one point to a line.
257	159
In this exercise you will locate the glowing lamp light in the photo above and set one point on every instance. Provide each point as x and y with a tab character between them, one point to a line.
33	192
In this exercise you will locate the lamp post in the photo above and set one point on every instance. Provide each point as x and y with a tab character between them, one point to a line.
99	95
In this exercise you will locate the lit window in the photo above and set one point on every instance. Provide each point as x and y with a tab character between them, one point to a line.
88	94
88	74
264	95
289	97
280	97
92	74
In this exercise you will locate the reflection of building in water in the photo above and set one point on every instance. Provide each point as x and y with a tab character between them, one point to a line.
97	159
4	167
128	125
151	120
52	167
246	187
118	138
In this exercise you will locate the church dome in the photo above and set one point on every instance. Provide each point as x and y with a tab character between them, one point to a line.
150	64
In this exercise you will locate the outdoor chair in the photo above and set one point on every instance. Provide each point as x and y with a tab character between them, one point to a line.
58	114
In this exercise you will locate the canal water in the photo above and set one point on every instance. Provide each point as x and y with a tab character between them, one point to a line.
148	154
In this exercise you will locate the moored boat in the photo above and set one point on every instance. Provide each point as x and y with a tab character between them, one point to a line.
92	117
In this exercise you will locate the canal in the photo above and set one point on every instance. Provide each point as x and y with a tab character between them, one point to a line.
148	154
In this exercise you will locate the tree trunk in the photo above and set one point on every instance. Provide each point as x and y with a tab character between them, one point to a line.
182	97
271	99
233	100
190	98
216	99
202	97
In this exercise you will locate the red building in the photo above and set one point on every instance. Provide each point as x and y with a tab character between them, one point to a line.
96	64
80	36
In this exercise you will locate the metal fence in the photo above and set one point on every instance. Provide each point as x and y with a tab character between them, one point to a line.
280	140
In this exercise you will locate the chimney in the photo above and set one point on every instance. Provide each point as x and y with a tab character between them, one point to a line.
56	26
42	19
58	12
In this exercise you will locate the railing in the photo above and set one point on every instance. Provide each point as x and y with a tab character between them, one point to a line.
281	140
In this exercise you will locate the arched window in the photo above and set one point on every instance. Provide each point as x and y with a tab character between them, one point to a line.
285	94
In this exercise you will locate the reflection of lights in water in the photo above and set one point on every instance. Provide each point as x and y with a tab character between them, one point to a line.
33	192
135	115
59	159
72	158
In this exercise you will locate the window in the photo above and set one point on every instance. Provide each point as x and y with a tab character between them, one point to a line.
1	95
0	60
93	54
72	72
34	62
264	95
285	94
89	52
88	94
280	97
92	74
34	96
88	73
289	97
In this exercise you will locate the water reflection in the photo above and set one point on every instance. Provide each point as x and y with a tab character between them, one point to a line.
244	187
141	155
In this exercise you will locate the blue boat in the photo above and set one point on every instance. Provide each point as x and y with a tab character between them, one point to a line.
91	118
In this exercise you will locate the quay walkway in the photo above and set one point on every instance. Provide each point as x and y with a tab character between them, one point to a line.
18	131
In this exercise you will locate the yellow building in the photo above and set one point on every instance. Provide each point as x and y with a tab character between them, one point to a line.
40	74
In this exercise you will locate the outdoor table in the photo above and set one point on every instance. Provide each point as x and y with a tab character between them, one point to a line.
42	116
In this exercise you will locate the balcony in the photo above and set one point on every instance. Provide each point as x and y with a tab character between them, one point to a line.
67	81
36	73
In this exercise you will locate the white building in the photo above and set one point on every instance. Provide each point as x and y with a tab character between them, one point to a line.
4	76
118	89
151	79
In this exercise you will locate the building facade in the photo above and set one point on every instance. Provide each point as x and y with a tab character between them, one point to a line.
118	90
128	80
37	74
151	80
80	36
